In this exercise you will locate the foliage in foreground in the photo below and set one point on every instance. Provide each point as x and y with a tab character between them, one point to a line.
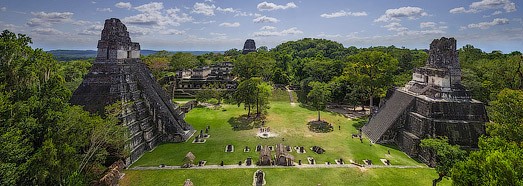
44	140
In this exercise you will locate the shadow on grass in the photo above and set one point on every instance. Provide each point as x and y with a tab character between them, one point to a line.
360	122
244	122
320	126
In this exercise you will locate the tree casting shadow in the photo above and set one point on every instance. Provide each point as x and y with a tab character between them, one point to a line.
245	123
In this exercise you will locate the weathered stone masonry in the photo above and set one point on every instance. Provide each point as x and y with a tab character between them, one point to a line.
118	74
433	104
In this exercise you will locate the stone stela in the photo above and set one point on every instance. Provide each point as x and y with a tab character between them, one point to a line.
118	74
432	104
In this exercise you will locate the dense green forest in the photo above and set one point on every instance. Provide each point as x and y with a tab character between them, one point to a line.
43	139
46	141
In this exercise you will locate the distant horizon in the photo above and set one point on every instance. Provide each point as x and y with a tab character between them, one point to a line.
214	25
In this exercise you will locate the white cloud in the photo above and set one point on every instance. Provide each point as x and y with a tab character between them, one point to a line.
202	8
93	30
290	31
323	35
268	28
479	6
203	22
152	14
497	12
486	25
3	9
342	13
217	34
104	10
461	10
265	19
171	32
126	5
174	14
47	31
226	10
402	12
235	24
152	7
266	6
47	19
397	27
427	25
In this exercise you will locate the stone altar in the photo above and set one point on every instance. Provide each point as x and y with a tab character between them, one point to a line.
118	74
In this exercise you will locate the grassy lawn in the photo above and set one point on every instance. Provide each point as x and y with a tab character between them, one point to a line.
285	176
287	121
182	101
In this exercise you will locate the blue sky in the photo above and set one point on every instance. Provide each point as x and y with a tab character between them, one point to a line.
221	25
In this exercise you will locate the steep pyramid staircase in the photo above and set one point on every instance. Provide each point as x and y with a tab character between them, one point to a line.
387	115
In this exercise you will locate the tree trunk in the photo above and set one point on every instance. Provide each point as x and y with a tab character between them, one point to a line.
249	112
371	104
257	105
319	115
436	181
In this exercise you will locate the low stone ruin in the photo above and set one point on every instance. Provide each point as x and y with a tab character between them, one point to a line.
248	162
201	138
188	182
246	149
265	157
385	161
258	178
188	161
318	150
311	160
299	149
265	132
201	163
113	174
283	158
367	162
229	148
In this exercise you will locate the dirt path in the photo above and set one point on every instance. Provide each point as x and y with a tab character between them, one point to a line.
293	103
296	166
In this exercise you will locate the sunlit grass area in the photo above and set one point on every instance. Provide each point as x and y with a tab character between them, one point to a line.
285	176
289	124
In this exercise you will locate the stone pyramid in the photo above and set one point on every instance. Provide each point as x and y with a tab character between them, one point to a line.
118	74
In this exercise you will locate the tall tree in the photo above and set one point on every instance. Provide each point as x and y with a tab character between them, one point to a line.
246	93
446	155
319	96
42	137
254	64
180	61
263	92
372	71
498	160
